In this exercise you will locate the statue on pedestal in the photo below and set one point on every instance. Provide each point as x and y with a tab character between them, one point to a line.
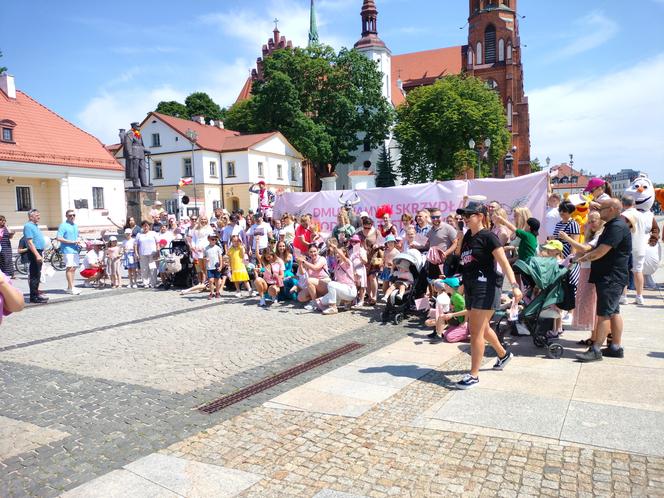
134	152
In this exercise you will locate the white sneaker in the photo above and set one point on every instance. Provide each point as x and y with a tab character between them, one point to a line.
639	300
623	299
238	294
134	286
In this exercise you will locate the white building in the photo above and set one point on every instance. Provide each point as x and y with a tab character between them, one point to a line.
222	164
49	164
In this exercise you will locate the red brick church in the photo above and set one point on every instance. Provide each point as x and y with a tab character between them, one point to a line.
492	53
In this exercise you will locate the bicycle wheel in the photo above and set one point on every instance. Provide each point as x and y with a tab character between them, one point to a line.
20	266
58	261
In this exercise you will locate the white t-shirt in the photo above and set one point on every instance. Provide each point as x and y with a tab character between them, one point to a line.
147	243
129	245
92	258
199	240
213	255
288	231
641	233
551	217
260	234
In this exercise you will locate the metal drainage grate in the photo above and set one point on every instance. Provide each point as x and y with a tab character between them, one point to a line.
264	384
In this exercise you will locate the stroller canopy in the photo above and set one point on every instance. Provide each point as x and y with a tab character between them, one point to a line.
413	256
546	275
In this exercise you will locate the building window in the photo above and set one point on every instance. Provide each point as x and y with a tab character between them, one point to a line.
470	57
261	170
280	172
23	199
158	171
491	83
501	50
509	51
155	140
490	44
171	206
213	169
509	113
293	172
186	167
367	145
478	54
97	198
216	204
7	135
230	169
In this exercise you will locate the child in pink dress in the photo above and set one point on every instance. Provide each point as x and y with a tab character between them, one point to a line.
113	262
358	258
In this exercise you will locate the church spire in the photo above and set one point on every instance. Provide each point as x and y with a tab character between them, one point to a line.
369	16
313	25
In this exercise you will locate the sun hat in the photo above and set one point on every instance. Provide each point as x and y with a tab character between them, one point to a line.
553	245
390	238
128	230
261	182
593	183
473	207
158	203
364	214
112	238
355	239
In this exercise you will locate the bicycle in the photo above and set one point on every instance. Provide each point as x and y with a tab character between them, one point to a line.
21	266
54	256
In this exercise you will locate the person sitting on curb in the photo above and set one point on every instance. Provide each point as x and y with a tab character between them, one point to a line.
455	317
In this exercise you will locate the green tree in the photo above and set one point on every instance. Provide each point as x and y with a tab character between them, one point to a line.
385	169
535	165
2	68
200	104
435	123
173	108
320	101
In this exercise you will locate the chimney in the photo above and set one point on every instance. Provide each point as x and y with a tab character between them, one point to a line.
7	85
198	119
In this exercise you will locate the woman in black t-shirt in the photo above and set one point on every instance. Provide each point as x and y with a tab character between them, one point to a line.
479	251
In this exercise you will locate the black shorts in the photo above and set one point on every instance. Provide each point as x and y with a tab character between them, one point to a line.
481	295
608	298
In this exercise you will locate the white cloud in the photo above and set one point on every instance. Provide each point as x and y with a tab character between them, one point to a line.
114	109
609	122
253	27
223	83
592	31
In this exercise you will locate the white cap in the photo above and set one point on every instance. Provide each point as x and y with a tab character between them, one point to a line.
128	230
97	242
112	238
158	203
364	214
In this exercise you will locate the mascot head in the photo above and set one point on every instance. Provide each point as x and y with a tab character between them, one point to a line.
643	192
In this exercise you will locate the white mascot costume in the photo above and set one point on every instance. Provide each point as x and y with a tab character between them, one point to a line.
643	192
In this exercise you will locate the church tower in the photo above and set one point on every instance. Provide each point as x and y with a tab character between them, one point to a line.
494	55
373	47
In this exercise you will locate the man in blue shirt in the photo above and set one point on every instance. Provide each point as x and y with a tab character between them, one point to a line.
68	238
36	245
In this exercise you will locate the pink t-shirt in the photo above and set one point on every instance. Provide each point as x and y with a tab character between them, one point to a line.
322	273
344	274
272	271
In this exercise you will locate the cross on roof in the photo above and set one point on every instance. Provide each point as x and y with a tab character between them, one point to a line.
276	22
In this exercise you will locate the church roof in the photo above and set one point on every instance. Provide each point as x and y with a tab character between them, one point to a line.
43	137
423	68
245	93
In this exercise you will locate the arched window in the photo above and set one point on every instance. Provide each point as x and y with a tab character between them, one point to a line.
490	44
501	50
470	57
478	54
509	51
509	112
492	84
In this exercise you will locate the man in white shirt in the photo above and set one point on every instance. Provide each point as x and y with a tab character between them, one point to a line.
552	216
259	235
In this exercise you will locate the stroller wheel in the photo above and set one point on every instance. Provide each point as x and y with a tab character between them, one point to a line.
539	340
555	351
385	317
398	318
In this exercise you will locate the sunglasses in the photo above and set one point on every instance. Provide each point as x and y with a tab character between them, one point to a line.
435	217
71	216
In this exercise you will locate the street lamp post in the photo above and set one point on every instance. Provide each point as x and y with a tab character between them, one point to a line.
192	135
509	162
479	152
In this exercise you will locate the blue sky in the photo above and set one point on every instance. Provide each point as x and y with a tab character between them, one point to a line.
593	68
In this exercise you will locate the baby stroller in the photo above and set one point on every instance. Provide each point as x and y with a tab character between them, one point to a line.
397	308
178	266
540	311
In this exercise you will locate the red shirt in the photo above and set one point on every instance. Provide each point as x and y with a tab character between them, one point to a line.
299	232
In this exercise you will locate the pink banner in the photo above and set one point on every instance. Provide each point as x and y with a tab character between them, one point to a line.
529	190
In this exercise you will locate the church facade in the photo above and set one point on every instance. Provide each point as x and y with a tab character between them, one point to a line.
492	53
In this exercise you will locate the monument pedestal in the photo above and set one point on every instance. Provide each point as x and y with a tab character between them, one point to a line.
140	202
329	182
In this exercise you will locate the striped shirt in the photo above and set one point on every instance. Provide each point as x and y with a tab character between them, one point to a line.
571	228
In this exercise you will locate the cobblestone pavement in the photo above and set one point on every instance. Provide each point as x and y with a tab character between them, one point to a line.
96	383
384	453
90	385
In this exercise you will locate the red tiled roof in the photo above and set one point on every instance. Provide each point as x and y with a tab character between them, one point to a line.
41	136
245	93
565	170
361	173
213	138
423	68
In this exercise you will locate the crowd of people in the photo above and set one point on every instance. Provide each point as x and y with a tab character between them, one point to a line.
467	259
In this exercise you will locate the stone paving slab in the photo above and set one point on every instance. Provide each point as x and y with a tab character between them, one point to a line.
616	427
120	484
18	437
330	493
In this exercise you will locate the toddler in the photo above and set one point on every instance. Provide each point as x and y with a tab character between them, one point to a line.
113	262
129	257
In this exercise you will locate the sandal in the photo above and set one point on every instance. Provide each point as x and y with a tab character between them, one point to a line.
585	342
